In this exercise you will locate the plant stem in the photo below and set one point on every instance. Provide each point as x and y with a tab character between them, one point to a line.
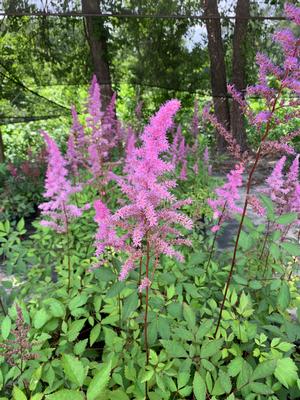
140	280
68	250
248	188
146	314
2	307
215	238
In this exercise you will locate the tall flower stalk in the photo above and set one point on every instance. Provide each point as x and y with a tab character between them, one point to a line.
148	221
287	78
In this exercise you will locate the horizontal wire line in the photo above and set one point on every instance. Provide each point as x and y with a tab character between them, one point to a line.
129	15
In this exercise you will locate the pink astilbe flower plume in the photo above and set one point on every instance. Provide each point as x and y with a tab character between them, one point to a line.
59	190
284	191
224	206
150	215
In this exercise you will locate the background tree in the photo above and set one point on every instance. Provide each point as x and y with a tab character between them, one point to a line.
97	36
242	13
217	66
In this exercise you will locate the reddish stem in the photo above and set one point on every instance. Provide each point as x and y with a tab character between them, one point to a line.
248	188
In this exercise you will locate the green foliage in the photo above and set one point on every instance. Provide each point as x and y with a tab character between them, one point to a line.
89	341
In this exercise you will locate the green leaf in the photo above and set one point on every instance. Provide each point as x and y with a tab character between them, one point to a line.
99	382
147	375
21	225
260	388
56	308
264	370
174	349
256	285
18	394
78	301
275	251
204	328
292	248
286	372
288	218
65	394
189	316
36	376
40	318
283	299
130	305
163	327
74	369
118	395
75	329
115	289
225	381
80	347
267	203
95	332
175	310
5	327
199	387
208	349
37	396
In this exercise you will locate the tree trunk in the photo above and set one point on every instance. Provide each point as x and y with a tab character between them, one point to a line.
217	68
2	156
242	13
97	39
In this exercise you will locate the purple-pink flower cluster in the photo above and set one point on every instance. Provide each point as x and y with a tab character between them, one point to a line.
150	214
58	210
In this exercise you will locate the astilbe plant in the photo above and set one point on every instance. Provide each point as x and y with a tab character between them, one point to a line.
90	144
274	82
18	351
178	151
149	218
284	190
59	210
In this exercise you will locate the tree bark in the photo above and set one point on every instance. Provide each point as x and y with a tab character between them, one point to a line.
96	36
242	13
2	155
217	68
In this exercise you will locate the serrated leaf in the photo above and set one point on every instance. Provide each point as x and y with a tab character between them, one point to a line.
292	248
36	376
147	375
5	327
204	328
75	329
118	395
283	299
65	394
174	349
288	218
130	305
264	370
208	349
18	394
95	332
56	308
99	382
189	316
286	372
260	388
163	328
199	387
80	346
115	289
78	301
40	318
225	381
74	369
